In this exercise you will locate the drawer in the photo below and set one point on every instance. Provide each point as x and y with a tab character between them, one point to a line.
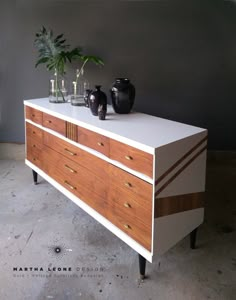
130	183
131	157
125	204
73	180
54	123
131	215
33	132
33	115
83	158
68	170
34	152
93	140
128	219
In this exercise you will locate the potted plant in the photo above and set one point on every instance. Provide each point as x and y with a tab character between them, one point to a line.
55	53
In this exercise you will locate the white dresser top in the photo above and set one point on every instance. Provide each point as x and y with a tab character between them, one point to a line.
136	129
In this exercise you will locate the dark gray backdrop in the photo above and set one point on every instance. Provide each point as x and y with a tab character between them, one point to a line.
180	55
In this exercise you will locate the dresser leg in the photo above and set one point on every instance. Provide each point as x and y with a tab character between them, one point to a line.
35	177
193	236
142	266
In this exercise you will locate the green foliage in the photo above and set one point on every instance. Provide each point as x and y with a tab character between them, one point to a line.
53	51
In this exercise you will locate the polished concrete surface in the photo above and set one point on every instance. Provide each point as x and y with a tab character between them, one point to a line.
40	228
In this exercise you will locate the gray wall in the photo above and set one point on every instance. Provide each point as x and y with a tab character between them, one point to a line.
180	55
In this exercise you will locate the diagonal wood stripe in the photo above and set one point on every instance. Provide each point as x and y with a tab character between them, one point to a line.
179	171
175	204
180	160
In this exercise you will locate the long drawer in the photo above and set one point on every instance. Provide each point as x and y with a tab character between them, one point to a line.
85	159
69	172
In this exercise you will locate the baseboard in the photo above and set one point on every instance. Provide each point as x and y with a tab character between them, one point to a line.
12	151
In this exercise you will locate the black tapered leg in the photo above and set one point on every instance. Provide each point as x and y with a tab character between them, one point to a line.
35	177
193	236
142	266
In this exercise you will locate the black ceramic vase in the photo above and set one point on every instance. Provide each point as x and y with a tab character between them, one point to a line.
86	97
97	98
122	95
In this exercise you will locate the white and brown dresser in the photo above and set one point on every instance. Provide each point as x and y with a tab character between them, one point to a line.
140	176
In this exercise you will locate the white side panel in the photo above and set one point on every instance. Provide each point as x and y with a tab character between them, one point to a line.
124	237
169	230
191	179
172	157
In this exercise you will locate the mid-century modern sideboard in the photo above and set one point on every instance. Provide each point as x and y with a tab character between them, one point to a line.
140	176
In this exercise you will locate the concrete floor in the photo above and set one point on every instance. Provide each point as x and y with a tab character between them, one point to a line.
34	220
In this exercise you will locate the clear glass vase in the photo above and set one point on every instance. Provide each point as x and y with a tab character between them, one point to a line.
57	89
79	88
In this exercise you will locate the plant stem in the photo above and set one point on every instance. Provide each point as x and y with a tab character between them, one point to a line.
58	89
77	76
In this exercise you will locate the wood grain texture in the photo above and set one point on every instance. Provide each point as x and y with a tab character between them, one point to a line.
132	157
93	140
34	151
33	115
129	205
54	123
71	131
175	204
135	220
33	132
83	158
131	184
68	170
83	183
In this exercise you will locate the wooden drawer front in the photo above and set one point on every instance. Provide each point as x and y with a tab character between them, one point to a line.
33	115
93	140
74	173
131	157
73	178
33	132
131	183
132	218
83	158
125	203
54	123
34	152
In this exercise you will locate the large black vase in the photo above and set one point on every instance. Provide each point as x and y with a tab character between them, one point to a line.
97	98
122	95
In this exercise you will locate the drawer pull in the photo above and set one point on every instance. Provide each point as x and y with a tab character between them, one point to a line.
48	121
70	169
127	226
71	153
128	157
34	146
128	184
33	115
126	204
69	185
34	132
100	144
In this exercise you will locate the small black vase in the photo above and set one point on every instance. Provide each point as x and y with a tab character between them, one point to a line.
97	98
122	95
86	97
